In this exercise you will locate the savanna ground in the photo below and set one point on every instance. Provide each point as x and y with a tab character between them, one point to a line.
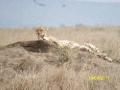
72	75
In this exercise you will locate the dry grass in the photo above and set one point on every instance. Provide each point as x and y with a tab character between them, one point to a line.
71	75
106	38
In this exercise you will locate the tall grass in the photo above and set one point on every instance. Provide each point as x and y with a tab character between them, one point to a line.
68	76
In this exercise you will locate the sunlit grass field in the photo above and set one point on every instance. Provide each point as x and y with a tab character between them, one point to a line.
86	72
105	38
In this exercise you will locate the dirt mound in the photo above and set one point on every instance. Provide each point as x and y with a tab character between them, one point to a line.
35	46
25	55
45	57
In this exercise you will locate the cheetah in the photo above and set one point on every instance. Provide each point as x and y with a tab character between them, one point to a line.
41	32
